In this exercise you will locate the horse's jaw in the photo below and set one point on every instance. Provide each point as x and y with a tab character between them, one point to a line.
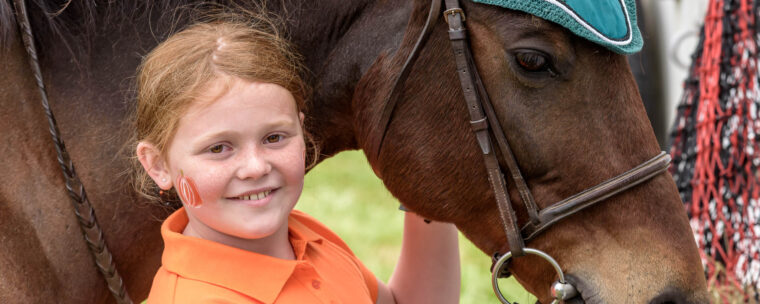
591	294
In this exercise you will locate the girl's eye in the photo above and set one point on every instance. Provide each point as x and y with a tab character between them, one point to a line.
273	138
216	149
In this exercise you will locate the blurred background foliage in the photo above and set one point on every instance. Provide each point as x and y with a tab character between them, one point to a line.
344	194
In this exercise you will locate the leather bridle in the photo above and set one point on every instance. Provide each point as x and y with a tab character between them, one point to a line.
485	125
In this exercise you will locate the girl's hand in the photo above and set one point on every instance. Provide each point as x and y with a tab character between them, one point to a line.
428	268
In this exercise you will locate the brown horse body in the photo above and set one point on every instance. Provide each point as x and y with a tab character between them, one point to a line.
570	130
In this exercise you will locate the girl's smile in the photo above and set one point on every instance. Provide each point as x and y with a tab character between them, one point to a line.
253	195
254	198
240	150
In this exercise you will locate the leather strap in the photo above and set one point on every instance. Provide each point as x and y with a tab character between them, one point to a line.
593	195
398	84
506	152
473	96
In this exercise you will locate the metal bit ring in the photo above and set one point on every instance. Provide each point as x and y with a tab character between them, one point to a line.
566	291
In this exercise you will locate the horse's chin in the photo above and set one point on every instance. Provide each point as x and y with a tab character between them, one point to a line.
576	300
579	299
587	294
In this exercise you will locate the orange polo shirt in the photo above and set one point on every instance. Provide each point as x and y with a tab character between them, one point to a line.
201	271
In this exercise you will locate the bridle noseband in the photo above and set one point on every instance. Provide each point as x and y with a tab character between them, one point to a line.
485	125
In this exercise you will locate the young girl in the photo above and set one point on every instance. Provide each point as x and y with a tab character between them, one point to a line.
219	123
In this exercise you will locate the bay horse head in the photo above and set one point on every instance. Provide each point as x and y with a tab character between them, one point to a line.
571	112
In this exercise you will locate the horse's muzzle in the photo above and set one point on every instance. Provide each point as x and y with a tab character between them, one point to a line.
589	294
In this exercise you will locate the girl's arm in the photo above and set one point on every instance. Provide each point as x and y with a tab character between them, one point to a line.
428	268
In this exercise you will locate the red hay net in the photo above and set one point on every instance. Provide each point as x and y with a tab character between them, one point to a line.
714	144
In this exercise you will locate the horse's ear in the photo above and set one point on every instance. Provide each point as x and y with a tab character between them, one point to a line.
154	164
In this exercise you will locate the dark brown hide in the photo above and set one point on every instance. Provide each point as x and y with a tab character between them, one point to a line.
568	132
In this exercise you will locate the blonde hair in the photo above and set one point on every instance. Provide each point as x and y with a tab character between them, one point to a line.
178	71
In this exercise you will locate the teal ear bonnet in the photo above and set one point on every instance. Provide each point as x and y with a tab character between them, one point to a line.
610	23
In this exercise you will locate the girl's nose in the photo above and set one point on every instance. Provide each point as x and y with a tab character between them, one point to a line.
253	165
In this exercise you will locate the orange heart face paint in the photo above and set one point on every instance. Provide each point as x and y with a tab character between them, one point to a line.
188	191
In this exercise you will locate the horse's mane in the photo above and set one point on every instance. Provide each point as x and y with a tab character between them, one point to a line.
73	22
6	21
68	25
50	18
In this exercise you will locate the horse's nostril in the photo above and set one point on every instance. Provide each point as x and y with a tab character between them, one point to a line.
670	297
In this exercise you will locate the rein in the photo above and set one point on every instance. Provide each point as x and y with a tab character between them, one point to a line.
81	204
486	126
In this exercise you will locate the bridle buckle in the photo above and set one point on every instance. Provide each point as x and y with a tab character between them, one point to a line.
453	11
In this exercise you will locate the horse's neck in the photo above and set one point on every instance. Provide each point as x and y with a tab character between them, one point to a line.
340	40
318	27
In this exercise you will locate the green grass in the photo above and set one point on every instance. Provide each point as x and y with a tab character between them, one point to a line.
344	194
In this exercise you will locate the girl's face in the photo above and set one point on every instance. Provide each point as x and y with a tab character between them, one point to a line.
244	156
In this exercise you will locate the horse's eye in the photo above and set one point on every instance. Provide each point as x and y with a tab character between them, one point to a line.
532	61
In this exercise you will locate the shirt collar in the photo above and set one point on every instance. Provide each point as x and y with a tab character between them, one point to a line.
298	231
259	276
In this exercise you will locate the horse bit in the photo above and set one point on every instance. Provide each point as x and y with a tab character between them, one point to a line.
485	125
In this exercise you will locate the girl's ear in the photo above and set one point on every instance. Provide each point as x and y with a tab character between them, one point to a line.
301	117
151	159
